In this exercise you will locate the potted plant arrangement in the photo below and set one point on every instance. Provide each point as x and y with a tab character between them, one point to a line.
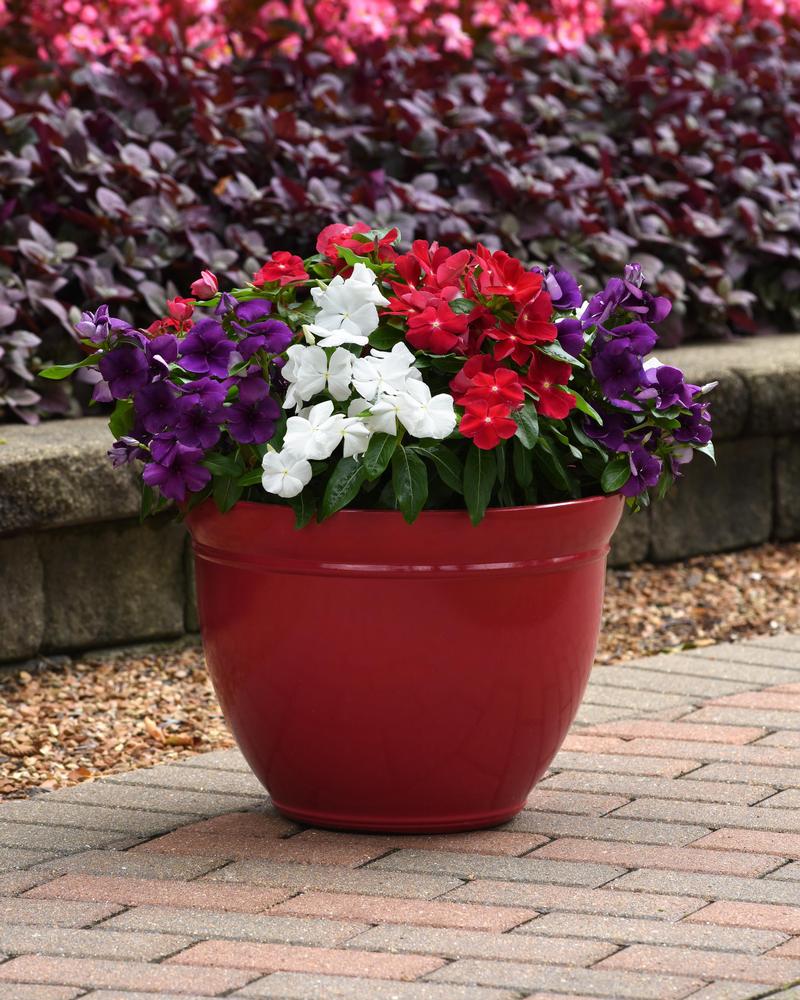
455	435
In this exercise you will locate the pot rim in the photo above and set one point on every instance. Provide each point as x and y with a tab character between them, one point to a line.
448	512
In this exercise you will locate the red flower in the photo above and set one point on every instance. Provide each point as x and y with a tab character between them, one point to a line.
487	425
505	275
543	377
282	267
435	266
501	386
533	322
340	235
206	285
533	326
180	309
436	328
461	383
509	343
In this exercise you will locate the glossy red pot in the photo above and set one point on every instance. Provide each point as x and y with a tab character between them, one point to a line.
393	677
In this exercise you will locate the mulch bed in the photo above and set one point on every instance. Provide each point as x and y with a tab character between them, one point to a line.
64	721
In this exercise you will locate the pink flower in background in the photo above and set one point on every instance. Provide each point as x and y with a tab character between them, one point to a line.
74	29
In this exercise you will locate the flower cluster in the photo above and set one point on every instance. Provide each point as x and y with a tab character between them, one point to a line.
343	28
352	376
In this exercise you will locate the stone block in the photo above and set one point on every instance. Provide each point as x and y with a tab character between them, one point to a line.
774	400
631	541
113	583
21	598
759	382
58	474
714	508
787	489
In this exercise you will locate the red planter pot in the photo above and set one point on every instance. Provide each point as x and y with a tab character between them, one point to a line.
393	677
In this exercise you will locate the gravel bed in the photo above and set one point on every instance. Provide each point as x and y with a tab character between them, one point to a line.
65	720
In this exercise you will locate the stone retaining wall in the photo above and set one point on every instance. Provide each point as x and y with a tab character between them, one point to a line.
78	571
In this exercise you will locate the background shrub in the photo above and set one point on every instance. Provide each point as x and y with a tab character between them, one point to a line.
121	180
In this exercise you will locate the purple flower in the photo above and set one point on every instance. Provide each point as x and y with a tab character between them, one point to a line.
156	406
563	289
94	326
645	472
125	370
695	426
252	418
161	351
126	450
626	294
277	382
570	336
612	434
202	414
272	336
98	326
252	311
206	350
640	337
175	469
666	384
603	305
616	367
227	303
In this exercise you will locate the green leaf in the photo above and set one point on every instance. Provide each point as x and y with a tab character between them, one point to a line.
587	408
149	502
226	491
385	337
304	507
556	351
708	449
342	486
57	372
251	478
462	306
556	473
378	454
664	484
447	464
223	465
480	475
616	474
121	420
410	482
527	422
500	456
523	463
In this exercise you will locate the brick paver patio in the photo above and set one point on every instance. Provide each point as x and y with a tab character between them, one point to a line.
660	859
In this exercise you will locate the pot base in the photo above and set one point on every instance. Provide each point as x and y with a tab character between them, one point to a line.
400	824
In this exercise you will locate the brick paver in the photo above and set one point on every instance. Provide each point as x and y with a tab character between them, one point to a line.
658	860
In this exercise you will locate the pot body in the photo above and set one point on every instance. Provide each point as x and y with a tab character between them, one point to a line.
392	677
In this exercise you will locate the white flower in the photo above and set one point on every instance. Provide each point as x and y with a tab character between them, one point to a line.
347	333
285	473
315	434
309	371
356	435
424	416
382	414
652	363
347	308
384	372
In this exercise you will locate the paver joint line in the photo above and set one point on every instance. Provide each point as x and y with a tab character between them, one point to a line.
659	859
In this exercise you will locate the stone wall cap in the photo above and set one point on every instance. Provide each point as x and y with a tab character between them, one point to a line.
58	474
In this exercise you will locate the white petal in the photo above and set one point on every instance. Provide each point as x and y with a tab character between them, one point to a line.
340	369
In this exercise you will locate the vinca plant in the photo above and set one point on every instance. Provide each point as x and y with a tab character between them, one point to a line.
371	378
